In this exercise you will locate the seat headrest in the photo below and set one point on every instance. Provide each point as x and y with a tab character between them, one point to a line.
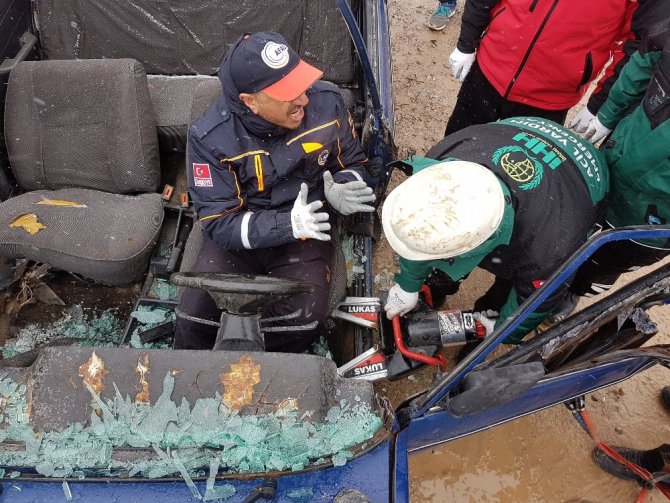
82	123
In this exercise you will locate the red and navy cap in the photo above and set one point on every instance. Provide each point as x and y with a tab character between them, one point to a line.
265	62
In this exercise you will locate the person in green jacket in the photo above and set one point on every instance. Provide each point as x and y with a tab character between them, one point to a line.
637	153
514	197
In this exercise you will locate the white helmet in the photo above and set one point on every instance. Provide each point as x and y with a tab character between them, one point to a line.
443	211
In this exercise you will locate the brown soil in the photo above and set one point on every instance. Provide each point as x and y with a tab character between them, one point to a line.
545	456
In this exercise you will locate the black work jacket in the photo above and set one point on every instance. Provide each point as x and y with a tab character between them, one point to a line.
558	183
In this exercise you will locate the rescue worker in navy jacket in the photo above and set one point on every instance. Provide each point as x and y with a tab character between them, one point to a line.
264	156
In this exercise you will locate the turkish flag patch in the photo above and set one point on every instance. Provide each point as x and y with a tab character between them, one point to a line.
538	283
201	175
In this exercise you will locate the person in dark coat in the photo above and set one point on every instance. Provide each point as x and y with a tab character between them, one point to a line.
514	197
271	161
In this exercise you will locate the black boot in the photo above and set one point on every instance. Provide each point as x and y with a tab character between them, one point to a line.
665	397
467	348
650	460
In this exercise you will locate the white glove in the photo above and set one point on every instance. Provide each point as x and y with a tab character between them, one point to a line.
596	131
488	319
349	197
400	302
580	122
306	222
460	64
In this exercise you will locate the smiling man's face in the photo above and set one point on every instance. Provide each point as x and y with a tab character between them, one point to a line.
288	114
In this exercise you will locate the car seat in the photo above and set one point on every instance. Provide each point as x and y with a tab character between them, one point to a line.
82	144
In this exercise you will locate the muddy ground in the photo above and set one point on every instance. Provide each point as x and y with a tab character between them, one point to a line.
544	457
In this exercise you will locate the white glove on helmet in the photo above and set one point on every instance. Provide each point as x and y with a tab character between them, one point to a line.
596	131
580	122
306	222
460	63
349	197
400	302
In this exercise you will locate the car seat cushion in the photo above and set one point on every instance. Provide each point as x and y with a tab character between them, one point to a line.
105	237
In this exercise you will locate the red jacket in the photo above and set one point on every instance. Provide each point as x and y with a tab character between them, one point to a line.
544	53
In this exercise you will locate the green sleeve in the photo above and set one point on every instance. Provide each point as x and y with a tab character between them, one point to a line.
629	88
413	274
533	320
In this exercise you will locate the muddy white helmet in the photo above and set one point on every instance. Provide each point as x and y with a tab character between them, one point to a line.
443	211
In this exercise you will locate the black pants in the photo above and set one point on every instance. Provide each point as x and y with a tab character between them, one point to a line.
478	102
307	261
664	454
604	267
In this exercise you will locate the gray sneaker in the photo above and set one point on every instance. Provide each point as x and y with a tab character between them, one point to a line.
439	18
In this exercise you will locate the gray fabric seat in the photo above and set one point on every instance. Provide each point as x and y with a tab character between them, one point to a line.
79	134
181	43
182	37
171	97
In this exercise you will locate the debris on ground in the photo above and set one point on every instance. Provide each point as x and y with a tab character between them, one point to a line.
149	317
101	330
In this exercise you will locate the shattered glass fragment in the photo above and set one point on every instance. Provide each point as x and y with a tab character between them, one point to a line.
302	494
219	493
102	330
163	290
67	491
163	412
213	493
320	348
148	315
184	473
352	260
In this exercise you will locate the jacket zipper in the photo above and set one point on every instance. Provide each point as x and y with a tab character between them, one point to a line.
530	48
588	70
